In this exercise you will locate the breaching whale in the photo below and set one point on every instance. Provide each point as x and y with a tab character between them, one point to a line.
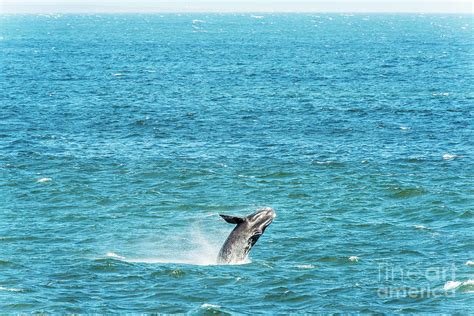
245	234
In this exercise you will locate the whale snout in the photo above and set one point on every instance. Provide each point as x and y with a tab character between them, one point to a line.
268	212
263	217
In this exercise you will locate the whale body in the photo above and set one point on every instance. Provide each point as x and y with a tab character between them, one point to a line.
247	231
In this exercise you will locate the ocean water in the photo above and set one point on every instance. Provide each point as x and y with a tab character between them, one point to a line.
122	137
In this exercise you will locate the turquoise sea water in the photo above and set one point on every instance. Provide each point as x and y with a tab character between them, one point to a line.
123	136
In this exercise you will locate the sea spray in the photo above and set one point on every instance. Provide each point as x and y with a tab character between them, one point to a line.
196	245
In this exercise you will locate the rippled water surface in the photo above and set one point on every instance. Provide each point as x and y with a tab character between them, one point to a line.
123	136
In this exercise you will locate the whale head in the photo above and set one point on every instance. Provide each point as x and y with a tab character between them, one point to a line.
260	220
247	231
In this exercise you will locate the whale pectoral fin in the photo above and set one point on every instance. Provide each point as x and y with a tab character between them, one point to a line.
232	219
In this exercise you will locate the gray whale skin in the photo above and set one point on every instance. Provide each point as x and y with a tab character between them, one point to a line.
248	230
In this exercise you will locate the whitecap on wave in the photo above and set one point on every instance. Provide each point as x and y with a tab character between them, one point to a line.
210	309
421	227
458	285
10	289
451	156
206	305
43	180
305	266
114	255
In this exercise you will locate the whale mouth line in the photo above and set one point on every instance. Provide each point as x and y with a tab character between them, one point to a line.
268	222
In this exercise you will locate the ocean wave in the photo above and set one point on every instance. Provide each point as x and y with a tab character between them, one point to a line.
305	266
462	286
466	214
206	305
189	261
277	174
340	260
4	262
9	289
407	192
329	164
210	309
422	227
43	180
114	255
448	156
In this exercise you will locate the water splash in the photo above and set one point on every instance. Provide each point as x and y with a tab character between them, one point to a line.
195	246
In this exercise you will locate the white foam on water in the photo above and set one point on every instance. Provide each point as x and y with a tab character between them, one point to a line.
452	285
451	156
244	176
206	305
114	255
257	16
305	266
421	227
10	289
43	180
469	263
354	258
199	21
